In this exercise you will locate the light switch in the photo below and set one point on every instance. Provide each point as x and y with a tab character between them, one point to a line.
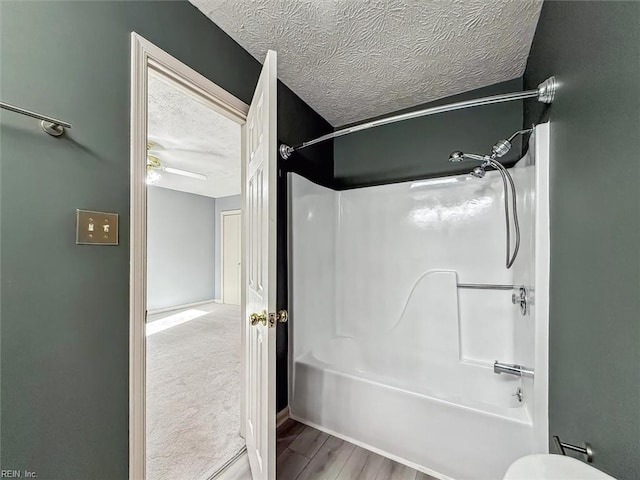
96	228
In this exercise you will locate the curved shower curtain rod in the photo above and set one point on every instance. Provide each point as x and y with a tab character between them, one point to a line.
545	93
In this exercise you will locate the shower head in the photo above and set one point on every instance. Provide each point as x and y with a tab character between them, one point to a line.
500	149
478	172
456	156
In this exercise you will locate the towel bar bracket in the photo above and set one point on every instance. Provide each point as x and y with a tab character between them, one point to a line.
52	129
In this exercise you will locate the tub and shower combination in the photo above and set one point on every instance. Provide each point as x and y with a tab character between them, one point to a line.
400	304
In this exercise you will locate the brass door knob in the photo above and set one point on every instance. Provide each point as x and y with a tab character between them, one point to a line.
283	316
257	318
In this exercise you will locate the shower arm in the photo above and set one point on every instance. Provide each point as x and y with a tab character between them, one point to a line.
498	150
519	132
545	93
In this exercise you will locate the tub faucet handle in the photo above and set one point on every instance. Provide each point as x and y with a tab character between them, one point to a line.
518	394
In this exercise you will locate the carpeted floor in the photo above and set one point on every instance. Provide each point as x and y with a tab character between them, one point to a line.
193	394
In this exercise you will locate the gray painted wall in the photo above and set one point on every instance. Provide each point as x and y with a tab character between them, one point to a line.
181	234
223	204
419	148
64	312
594	50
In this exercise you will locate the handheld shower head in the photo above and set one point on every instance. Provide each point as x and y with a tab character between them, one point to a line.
479	172
500	149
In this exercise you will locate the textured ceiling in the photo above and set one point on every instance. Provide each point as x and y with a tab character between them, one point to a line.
355	59
190	135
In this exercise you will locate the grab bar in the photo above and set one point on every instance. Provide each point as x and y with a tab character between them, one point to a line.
586	450
488	286
521	298
511	369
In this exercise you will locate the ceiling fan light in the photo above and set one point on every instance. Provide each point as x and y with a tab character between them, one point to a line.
153	177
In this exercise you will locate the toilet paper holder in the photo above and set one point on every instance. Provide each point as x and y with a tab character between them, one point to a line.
587	450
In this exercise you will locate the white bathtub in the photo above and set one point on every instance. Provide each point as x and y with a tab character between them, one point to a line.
464	384
441	427
388	353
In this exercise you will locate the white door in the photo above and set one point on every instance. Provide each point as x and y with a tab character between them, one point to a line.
260	222
231	258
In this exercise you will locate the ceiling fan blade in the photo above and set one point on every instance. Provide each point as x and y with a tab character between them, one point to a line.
169	152
185	173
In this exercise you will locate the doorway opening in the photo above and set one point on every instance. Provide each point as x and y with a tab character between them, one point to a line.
258	173
187	344
193	255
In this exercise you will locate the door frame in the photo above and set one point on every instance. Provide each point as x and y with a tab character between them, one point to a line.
146	56
222	215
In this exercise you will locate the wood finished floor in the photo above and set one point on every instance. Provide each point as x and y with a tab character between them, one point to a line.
305	453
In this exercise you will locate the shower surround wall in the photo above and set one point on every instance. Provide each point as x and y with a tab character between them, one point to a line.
387	352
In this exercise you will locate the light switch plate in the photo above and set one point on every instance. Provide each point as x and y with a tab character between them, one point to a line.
96	228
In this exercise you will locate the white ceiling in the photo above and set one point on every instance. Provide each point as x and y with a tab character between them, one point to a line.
355	59
192	136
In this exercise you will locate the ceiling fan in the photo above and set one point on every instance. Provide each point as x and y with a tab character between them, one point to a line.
154	167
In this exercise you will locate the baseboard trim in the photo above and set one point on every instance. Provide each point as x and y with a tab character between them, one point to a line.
282	416
180	307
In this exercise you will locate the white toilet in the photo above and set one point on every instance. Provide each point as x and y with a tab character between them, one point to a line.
553	467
